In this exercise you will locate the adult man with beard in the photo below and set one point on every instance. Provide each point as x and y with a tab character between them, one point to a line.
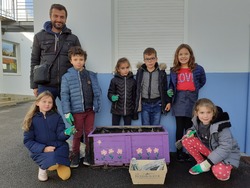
50	46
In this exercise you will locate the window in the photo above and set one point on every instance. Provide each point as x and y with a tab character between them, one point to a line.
145	23
9	53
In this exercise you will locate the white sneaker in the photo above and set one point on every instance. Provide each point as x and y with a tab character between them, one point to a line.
42	175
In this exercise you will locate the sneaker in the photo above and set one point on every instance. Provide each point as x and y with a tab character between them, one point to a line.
223	179
192	172
187	157
180	157
42	175
75	158
86	160
195	173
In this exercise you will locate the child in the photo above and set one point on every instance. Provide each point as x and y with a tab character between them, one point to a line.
81	99
186	78
213	146
151	92
121	93
45	137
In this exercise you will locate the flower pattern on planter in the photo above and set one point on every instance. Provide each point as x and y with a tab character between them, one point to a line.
116	153
149	151
139	152
156	151
104	153
111	152
119	153
99	142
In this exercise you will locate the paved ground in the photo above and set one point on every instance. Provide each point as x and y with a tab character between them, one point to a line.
19	171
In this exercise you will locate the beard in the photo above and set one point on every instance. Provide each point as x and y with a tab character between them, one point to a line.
58	25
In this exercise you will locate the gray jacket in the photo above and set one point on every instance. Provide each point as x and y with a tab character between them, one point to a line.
221	142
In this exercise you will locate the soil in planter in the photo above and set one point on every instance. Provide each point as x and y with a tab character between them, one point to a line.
127	129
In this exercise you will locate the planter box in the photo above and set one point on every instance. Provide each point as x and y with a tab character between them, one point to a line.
116	145
147	176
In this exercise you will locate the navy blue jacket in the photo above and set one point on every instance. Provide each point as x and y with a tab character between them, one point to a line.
47	131
183	101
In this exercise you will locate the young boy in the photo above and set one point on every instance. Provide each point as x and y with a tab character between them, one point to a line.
152	87
81	95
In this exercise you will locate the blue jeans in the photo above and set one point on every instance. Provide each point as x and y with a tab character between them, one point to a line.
151	113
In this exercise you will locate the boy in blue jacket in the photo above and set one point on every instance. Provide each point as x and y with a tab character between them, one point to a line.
81	99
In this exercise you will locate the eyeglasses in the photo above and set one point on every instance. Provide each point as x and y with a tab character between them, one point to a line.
149	59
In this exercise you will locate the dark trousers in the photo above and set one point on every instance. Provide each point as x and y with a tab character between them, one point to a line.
182	124
84	123
117	118
54	90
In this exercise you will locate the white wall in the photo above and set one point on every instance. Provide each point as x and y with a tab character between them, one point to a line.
218	31
91	22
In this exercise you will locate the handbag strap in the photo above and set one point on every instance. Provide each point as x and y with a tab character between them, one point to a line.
57	53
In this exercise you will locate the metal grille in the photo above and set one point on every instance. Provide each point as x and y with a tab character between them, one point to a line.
17	10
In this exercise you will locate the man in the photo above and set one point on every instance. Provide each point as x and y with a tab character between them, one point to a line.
54	38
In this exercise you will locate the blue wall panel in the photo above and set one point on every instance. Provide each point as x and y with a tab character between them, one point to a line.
228	90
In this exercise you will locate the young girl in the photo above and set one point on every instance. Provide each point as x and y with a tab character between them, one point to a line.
45	137
213	145
186	78
122	93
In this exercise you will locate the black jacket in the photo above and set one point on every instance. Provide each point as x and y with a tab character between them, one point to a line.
125	87
45	45
163	85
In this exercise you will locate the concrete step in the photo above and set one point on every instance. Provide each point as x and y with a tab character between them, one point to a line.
5	98
7	103
13	99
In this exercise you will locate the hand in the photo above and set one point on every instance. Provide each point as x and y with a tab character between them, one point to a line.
69	118
35	92
168	107
114	98
202	167
49	149
70	130
190	133
170	92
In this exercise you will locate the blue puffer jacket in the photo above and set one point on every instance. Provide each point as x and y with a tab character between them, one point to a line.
47	131
71	92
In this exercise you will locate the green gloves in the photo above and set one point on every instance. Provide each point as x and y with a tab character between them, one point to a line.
200	168
114	98
70	131
69	118
170	92
190	133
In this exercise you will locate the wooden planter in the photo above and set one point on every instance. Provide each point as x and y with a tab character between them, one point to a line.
116	145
